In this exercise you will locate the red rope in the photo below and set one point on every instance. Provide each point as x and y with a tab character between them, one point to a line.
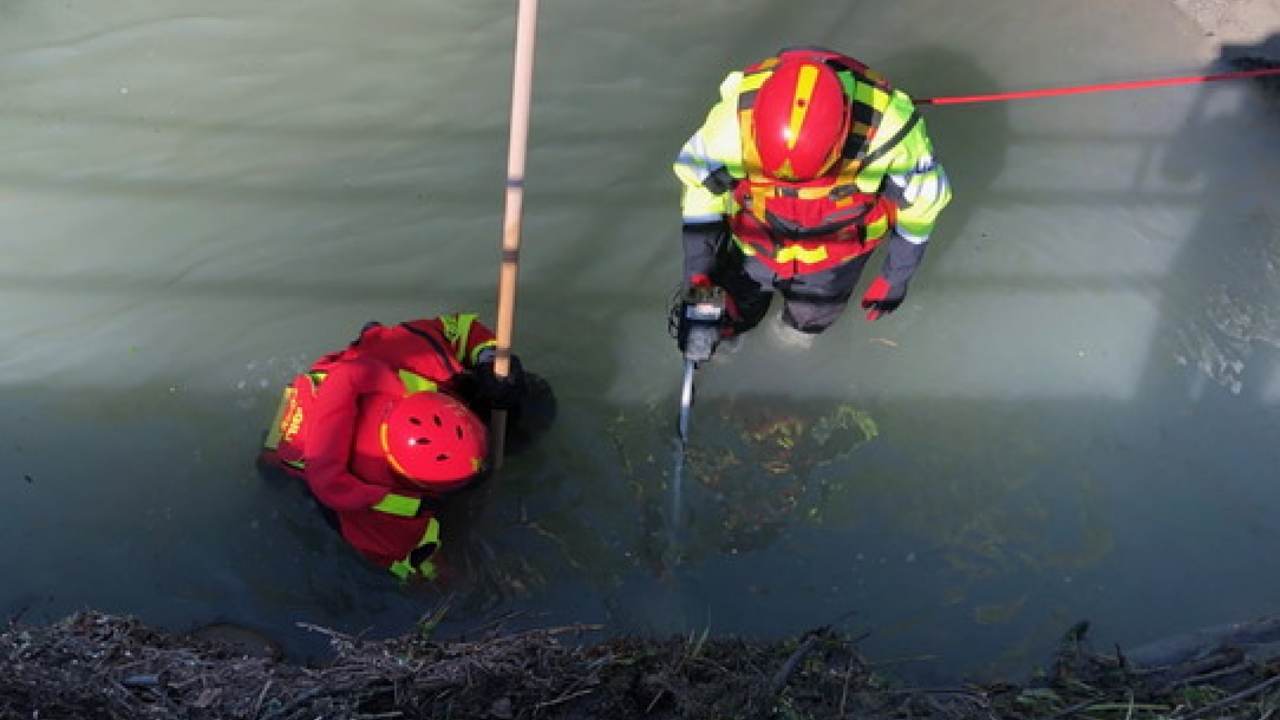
1101	87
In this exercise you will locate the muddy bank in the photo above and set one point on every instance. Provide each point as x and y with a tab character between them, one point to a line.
93	665
1233	21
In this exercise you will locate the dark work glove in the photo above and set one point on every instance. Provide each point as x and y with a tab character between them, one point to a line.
428	506
890	286
882	298
500	394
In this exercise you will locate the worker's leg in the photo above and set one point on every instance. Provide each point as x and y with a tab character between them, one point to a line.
748	284
814	301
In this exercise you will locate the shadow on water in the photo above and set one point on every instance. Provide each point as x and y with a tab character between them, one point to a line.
972	146
1181	468
1220	296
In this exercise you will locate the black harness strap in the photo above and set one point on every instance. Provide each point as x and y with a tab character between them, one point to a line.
892	142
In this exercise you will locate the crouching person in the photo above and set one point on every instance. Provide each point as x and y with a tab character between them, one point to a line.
384	429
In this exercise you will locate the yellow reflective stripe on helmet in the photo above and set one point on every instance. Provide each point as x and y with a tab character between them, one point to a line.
800	103
386	451
400	505
415	383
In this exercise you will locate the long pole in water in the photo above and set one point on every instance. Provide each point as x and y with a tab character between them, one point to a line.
1099	87
521	92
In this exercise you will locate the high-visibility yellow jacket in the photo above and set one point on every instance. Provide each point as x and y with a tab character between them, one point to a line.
903	170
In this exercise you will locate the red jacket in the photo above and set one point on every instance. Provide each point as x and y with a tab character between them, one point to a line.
327	427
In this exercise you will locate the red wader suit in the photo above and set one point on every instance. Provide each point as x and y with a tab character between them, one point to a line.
327	431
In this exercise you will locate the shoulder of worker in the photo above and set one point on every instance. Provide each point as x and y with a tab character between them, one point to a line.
718	136
729	86
901	103
360	374
901	114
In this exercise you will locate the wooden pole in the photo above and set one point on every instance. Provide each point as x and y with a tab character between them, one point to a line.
521	92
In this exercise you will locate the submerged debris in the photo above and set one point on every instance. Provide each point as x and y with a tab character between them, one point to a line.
93	665
761	465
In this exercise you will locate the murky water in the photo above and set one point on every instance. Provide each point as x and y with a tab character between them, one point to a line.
1073	416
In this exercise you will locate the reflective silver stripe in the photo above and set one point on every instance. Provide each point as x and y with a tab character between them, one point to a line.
913	239
703	218
695	158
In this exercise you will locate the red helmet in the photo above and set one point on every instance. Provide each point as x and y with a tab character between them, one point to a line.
800	120
433	440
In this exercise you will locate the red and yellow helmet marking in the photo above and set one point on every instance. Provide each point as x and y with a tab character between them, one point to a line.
795	122
808	77
386	451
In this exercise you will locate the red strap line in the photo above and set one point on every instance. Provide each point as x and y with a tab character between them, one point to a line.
1100	87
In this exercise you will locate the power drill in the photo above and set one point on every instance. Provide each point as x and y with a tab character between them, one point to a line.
701	316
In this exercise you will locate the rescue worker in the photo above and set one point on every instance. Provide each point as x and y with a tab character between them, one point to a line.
807	163
381	431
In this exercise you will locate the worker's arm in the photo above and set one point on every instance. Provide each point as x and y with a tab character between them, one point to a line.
331	421
468	338
917	185
474	345
708	165
914	179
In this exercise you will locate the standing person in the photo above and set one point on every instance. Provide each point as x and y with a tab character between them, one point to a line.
383	429
809	161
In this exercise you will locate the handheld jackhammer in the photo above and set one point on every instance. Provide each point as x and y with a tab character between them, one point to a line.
701	315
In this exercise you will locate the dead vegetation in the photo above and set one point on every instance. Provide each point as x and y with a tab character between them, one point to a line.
93	665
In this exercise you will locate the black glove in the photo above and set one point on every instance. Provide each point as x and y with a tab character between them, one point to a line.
500	394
